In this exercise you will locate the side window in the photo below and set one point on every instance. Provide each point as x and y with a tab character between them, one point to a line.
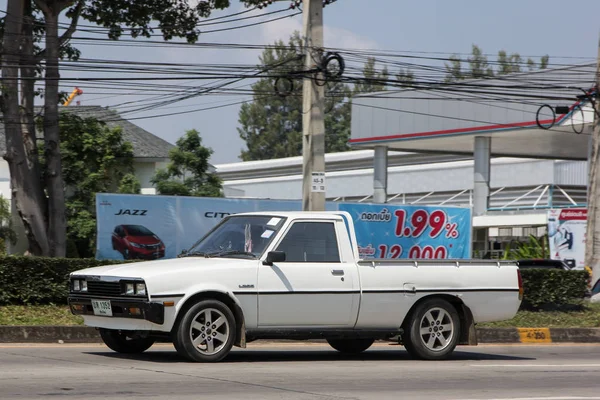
311	242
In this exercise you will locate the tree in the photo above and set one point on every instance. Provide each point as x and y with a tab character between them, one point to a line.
187	174
41	204
373	80
479	66
592	234
7	233
405	78
271	125
95	159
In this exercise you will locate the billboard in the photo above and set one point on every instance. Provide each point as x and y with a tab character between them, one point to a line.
567	234
386	231
156	227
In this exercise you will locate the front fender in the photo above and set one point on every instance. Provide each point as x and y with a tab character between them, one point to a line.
203	288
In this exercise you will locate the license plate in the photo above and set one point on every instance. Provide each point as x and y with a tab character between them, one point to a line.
102	307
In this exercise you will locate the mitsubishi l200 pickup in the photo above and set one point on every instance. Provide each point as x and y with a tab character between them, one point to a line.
292	275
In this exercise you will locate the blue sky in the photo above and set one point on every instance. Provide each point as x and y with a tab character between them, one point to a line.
529	27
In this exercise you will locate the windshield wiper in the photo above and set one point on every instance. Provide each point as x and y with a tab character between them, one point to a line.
231	253
194	254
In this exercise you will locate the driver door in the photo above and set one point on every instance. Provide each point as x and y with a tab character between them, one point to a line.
313	287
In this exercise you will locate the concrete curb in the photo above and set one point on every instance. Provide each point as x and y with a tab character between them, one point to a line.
84	334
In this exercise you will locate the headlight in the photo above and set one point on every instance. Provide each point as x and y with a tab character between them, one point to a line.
139	246
129	288
140	288
79	285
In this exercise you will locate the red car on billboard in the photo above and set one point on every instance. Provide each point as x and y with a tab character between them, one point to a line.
137	241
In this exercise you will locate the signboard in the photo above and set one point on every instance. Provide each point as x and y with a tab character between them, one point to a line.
567	234
386	231
156	227
318	182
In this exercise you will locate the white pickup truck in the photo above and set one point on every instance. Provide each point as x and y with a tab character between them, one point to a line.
292	275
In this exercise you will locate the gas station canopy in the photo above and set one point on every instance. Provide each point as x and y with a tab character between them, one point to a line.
540	114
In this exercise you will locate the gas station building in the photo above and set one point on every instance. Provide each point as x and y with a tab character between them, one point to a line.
511	148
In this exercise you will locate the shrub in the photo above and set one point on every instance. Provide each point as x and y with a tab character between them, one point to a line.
552	288
39	280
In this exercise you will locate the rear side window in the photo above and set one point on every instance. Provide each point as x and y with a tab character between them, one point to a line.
310	242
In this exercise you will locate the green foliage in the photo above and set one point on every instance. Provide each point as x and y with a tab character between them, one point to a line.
405	78
95	159
271	125
535	248
552	288
7	233
373	80
129	185
39	280
187	174
479	66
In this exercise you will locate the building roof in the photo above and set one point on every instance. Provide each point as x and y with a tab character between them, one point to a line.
145	144
343	161
444	118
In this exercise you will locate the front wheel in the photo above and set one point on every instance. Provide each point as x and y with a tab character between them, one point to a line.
206	332
350	346
432	331
122	343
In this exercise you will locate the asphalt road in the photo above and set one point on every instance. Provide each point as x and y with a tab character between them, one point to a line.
301	371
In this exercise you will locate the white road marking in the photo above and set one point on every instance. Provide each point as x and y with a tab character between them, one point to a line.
543	398
537	366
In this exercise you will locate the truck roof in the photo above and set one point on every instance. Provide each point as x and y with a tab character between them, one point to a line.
298	214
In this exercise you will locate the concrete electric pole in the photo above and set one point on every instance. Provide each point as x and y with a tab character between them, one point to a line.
592	245
313	123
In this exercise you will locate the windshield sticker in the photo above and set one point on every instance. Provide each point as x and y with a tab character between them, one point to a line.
247	239
274	221
266	234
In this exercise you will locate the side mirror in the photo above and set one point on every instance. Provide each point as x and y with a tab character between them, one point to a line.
274	257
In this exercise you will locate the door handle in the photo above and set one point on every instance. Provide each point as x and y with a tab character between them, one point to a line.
337	272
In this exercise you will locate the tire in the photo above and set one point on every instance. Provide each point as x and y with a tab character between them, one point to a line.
423	338
126	254
213	319
121	343
350	346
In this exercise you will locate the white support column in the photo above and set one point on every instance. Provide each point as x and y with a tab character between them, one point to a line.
481	188
380	174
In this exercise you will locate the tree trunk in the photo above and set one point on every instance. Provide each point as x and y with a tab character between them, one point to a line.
25	183
57	225
592	243
28	70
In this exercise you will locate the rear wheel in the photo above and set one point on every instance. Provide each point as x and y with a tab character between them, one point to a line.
432	331
206	332
350	346
122	342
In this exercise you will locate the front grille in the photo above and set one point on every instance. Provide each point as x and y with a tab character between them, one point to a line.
151	246
102	288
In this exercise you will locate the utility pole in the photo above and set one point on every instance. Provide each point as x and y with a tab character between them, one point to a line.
313	123
592	244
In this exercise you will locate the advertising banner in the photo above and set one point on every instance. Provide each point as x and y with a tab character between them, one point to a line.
155	227
567	234
411	231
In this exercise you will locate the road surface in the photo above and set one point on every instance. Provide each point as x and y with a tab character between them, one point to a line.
301	371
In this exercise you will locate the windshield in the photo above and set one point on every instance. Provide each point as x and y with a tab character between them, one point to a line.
239	235
138	230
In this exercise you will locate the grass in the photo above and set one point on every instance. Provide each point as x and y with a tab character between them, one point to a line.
60	315
38	315
589	317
